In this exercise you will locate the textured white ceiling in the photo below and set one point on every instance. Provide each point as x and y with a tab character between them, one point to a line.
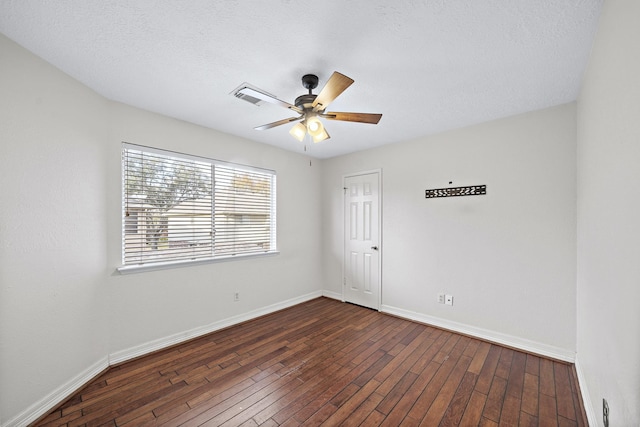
427	66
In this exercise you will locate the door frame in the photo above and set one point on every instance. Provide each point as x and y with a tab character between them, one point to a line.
380	239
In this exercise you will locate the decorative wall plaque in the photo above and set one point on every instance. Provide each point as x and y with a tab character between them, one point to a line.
472	190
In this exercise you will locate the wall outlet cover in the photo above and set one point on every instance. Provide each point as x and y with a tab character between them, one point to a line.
448	299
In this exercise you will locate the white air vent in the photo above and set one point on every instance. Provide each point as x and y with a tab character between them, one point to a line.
246	92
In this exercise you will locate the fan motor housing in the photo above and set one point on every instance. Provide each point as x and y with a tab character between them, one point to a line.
305	101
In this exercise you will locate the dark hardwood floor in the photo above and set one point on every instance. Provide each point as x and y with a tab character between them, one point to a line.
329	363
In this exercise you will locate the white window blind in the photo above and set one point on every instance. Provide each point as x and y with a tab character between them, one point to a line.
178	207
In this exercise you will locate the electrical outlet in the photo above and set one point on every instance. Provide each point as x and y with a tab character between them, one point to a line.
440	298
448	299
236	296
605	412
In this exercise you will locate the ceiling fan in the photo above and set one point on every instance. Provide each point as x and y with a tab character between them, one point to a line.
310	107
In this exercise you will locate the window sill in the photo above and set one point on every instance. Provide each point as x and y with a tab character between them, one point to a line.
129	269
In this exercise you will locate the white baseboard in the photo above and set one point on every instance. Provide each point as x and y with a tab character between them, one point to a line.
592	418
162	343
485	334
59	395
333	295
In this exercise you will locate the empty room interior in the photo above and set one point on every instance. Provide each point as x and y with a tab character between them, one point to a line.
480	179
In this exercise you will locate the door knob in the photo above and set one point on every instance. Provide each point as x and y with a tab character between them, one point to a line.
375	248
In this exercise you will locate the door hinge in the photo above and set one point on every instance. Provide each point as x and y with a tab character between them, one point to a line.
344	281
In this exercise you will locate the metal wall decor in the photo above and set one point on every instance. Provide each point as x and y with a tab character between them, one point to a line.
472	190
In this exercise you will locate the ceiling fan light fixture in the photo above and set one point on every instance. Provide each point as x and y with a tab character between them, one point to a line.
321	136
314	126
298	131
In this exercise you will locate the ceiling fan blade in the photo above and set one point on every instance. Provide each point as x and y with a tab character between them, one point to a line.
268	98
336	84
278	123
353	117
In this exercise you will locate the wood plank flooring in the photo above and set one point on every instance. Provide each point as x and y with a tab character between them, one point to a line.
328	363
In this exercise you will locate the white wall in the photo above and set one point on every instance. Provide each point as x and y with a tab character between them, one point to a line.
53	233
65	311
609	217
508	258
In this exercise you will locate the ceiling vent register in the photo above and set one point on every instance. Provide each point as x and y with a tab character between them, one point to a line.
248	93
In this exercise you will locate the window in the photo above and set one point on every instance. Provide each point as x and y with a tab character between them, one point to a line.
182	208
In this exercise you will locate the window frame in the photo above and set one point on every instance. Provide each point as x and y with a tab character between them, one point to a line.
149	265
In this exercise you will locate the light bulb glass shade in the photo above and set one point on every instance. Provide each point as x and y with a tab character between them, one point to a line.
321	136
298	131
314	126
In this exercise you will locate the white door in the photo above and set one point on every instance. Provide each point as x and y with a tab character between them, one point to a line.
362	239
